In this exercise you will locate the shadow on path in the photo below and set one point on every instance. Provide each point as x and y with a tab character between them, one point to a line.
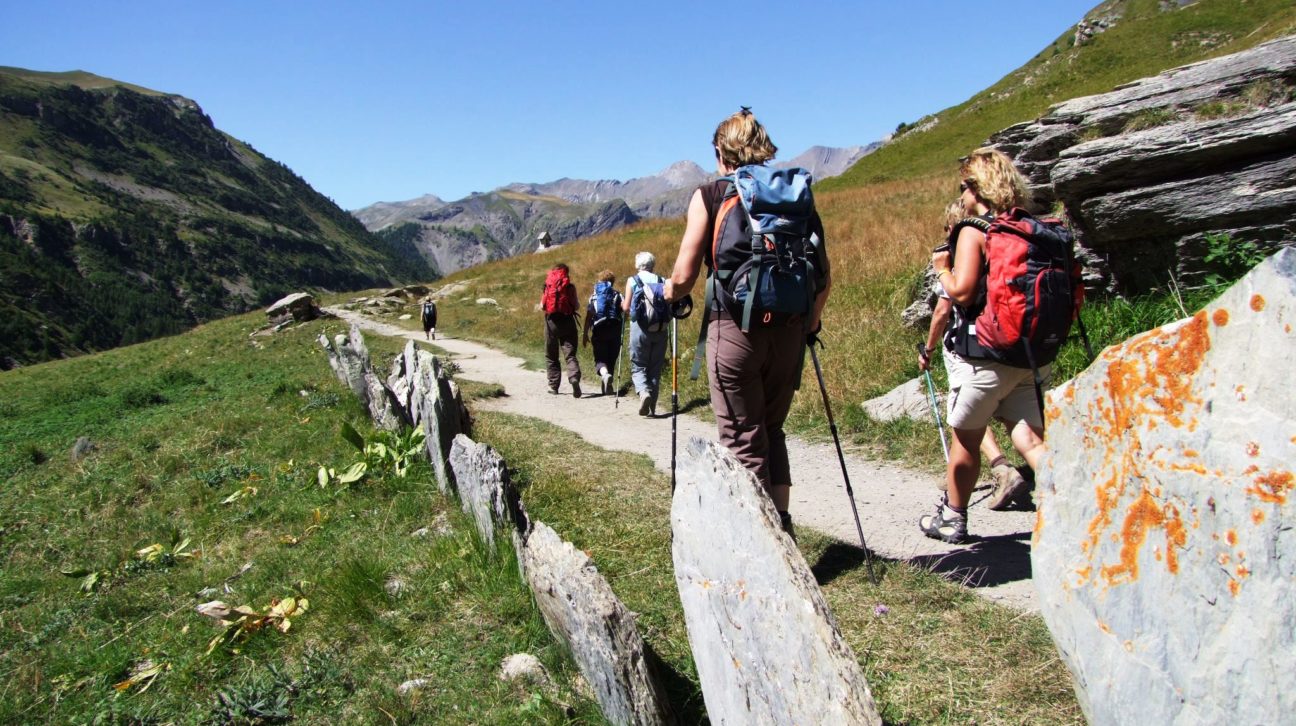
986	562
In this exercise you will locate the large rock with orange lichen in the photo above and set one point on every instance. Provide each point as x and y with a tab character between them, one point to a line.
1164	551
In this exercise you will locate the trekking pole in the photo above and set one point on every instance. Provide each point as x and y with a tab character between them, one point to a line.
674	396
841	457
931	398
625	350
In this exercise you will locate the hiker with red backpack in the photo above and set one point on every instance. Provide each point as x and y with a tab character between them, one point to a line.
603	326
762	241
559	305
1016	289
1009	485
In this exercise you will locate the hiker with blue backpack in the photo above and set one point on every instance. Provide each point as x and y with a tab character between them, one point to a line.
1015	288
650	315
761	239
603	325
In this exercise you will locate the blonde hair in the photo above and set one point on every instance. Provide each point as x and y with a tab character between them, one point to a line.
994	179
605	276
953	213
741	140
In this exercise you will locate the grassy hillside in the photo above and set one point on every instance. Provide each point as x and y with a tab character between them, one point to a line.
1143	42
124	215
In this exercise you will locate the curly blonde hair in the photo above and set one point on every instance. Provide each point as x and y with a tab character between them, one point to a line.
994	179
741	140
605	276
953	215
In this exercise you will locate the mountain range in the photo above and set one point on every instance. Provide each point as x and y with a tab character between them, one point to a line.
507	221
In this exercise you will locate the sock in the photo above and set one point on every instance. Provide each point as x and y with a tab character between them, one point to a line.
960	511
1000	459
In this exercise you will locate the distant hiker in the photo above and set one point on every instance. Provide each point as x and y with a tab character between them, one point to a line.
650	317
755	344
429	315
1008	482
980	388
603	324
559	305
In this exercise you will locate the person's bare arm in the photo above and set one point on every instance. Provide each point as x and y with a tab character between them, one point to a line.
939	321
961	283
689	260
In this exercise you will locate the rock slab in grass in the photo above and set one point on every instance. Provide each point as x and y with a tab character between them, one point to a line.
1164	552
766	646
481	478
298	307
581	609
907	400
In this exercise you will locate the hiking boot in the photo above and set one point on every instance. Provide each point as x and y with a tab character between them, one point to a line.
575	389
945	525
645	404
607	383
553	391
1008	487
785	520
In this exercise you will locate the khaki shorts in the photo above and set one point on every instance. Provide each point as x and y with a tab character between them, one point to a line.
982	389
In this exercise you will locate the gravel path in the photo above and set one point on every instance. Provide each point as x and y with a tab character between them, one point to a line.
889	498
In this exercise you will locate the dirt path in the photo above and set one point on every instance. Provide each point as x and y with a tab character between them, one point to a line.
889	498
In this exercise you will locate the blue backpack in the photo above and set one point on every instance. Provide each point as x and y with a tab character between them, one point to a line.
606	303
648	306
767	261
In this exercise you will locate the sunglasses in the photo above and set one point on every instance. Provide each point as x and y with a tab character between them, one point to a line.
965	185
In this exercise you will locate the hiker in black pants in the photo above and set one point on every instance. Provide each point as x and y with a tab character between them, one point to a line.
429	318
603	321
559	305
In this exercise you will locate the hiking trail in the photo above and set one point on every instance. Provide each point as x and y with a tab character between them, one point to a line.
890	498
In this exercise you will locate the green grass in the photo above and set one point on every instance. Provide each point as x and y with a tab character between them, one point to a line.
180	424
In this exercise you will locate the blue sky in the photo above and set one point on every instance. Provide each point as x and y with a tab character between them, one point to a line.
386	101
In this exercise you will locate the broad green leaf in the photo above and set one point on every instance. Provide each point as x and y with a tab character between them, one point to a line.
355	473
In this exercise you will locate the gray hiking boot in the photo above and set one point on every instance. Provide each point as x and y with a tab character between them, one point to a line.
645	404
945	525
1008	486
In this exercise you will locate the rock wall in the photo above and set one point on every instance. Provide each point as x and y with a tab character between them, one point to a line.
1155	172
1163	552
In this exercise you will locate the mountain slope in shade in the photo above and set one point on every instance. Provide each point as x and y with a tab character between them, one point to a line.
125	215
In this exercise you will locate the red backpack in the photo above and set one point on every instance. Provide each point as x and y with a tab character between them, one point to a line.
1032	291
559	295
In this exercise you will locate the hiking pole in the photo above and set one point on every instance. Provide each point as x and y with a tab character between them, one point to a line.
931	398
625	350
674	397
841	457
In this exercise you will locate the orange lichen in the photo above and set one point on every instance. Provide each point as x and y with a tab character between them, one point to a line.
1240	392
1220	317
1272	487
1191	453
1252	449
1223	558
1234	587
1257	516
1231	537
1242	571
1257	302
1104	627
1143	516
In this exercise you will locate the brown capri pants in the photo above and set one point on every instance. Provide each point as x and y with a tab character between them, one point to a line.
753	378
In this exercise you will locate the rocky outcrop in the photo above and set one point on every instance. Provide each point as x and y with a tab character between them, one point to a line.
1155	172
1163	552
910	399
298	307
737	574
